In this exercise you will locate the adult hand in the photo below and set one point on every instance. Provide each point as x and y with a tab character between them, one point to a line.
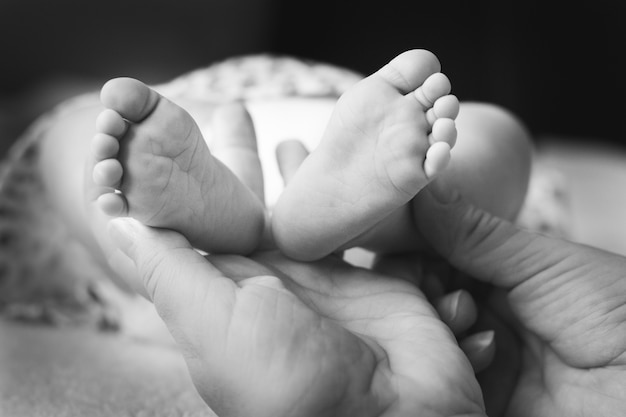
566	302
271	337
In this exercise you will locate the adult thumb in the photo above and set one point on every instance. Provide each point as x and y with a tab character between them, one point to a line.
179	281
487	247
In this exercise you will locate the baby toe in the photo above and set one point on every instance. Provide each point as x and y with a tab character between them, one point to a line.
443	130
111	123
437	85
131	98
108	173
113	204
437	159
444	107
104	146
409	69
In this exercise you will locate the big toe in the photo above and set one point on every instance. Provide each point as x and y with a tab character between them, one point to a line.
410	69
131	98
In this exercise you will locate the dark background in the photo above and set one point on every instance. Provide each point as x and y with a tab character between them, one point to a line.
558	65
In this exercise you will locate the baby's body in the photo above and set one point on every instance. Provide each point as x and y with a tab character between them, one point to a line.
490	163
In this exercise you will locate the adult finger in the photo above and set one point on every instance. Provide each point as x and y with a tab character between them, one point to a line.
484	246
126	269
457	310
564	292
182	284
234	143
480	349
289	155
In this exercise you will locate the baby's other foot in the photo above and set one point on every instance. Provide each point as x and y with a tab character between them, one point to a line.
154	165
387	138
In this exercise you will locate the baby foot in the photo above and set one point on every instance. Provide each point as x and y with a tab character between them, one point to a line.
154	165
387	138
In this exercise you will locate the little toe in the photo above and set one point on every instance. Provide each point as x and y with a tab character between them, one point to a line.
410	69
108	173
113	204
104	146
131	98
111	123
445	107
437	159
443	130
437	85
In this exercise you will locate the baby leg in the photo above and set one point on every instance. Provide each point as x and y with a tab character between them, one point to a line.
385	141
152	163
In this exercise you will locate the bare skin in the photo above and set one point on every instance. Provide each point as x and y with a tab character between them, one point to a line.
491	161
563	303
154	153
387	138
304	282
269	336
333	339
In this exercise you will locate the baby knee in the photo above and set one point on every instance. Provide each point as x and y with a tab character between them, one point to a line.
491	126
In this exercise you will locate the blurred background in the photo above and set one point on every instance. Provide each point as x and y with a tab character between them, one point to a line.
558	65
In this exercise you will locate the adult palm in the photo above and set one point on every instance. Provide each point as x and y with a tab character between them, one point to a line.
271	337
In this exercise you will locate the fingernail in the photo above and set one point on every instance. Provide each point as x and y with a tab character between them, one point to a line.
453	310
483	340
122	232
456	302
478	343
480	349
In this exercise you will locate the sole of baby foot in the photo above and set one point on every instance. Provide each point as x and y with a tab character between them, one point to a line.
154	165
387	138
